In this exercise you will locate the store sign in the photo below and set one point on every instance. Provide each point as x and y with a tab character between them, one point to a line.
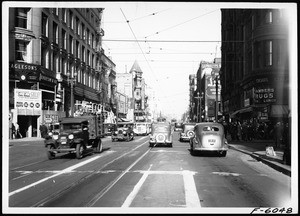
28	102
51	118
266	95
24	66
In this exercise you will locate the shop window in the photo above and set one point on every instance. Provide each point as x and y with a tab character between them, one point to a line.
21	51
21	17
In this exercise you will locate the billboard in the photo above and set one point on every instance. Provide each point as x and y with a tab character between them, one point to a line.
28	102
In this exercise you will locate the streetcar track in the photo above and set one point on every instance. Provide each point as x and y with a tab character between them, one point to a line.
108	187
69	187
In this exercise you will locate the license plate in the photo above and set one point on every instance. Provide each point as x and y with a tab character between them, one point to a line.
211	140
64	143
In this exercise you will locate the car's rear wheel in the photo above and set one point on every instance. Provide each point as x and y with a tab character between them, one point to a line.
99	147
50	154
79	151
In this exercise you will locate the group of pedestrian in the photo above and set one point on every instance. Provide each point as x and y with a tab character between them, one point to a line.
249	130
15	131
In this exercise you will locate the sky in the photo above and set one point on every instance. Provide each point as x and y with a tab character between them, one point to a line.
148	28
167	39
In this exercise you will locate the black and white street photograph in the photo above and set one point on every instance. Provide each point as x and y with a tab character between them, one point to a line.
149	107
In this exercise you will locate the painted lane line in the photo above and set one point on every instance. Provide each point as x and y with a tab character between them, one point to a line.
106	189
191	195
57	174
136	189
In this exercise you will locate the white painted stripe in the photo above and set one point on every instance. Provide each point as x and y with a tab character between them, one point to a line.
103	192
61	172
136	189
191	195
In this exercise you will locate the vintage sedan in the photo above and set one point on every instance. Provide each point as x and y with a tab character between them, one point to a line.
187	131
209	137
123	131
161	134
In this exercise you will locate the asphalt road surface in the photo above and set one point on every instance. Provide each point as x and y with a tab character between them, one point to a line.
129	175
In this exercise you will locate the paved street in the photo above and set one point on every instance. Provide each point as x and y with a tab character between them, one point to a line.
130	174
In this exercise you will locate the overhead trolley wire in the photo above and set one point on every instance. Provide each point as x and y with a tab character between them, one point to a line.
181	23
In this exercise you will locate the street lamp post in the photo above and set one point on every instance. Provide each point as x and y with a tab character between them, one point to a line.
72	81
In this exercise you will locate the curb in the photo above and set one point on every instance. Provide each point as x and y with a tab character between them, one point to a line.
272	165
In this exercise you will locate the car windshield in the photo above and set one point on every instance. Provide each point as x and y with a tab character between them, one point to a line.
159	129
210	128
188	127
71	126
178	125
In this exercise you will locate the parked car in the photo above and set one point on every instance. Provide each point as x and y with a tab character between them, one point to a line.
123	131
161	133
142	128
178	126
75	135
209	137
187	131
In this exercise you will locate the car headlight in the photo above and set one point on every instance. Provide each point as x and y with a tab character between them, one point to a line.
55	136
71	136
50	133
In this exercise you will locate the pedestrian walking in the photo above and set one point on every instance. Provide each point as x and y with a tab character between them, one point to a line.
278	131
43	130
18	134
13	128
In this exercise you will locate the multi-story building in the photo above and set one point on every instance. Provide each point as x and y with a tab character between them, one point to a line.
125	87
205	101
255	69
56	60
140	98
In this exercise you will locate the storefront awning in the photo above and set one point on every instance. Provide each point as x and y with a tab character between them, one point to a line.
244	110
279	111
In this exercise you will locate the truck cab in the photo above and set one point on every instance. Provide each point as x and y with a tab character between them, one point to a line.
76	134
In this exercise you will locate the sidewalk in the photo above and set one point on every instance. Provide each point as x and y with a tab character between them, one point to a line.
257	150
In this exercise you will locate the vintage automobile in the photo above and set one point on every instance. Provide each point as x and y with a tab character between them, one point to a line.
75	135
178	126
209	137
123	131
142	128
161	133
187	131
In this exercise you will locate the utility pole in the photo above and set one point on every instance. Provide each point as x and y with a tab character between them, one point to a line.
217	104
